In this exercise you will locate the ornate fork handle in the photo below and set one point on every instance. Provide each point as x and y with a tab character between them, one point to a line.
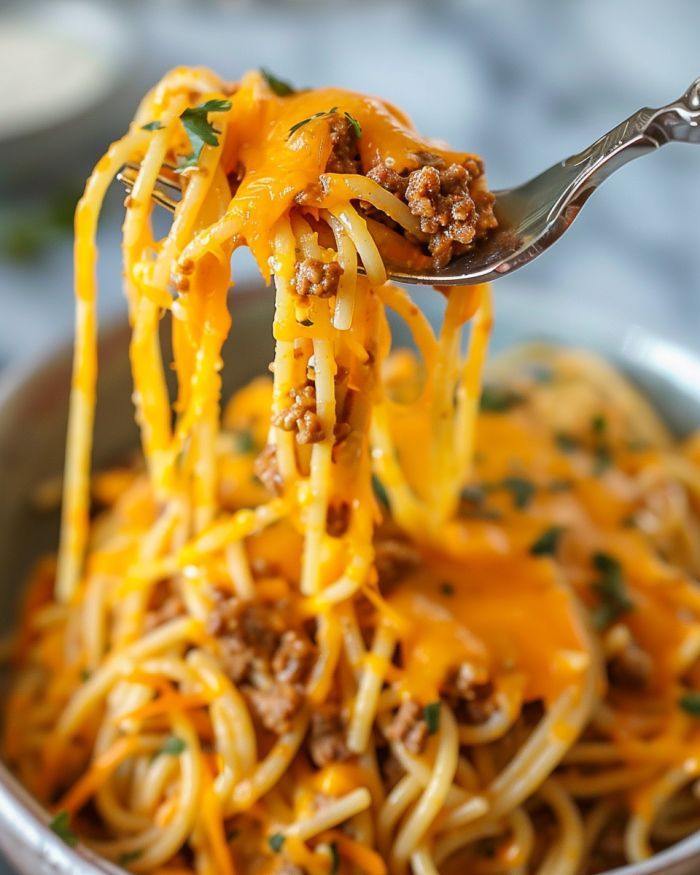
646	130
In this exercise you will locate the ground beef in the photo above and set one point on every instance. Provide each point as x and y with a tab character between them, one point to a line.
471	698
452	206
301	415
293	658
318	278
409	727
267	470
630	669
275	706
338	518
165	605
344	157
393	559
245	633
327	739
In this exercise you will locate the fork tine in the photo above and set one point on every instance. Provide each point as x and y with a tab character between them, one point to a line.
167	191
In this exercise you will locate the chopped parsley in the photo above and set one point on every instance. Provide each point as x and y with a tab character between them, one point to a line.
379	490
276	841
244	440
323	114
473	494
354	124
129	857
602	460
548	541
567	443
480	513
152	126
599	424
498	399
200	130
447	588
276	85
335	858
521	490
431	715
61	826
690	703
173	746
610	586
326	113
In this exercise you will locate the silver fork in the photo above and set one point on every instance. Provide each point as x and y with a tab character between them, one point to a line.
532	216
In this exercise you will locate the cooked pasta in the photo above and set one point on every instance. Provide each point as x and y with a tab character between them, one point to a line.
374	617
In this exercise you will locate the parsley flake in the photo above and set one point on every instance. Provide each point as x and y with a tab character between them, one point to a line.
323	114
276	85
129	857
431	715
153	126
335	858
521	490
498	399
173	746
567	443
615	600
200	130
379	490
690	703
599	424
354	124
473	494
602	460
547	543
276	841
61	826
244	440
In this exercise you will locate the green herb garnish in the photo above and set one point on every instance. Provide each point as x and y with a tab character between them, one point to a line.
129	857
173	746
473	494
690	703
480	513
354	124
335	858
567	443
379	490
323	114
276	841
599	424
498	399
278	86
602	460
547	543
200	130
521	490
244	440
431	715
153	126
61	826
615	600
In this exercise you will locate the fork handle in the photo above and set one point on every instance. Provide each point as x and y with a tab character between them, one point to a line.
645	131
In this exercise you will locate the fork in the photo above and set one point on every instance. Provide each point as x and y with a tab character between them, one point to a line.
533	216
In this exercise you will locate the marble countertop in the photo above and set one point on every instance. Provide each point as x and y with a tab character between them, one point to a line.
522	83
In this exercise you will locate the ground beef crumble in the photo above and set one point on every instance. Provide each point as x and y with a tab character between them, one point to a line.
269	661
394	558
327	738
409	726
471	697
344	157
630	669
267	470
301	416
317	278
453	208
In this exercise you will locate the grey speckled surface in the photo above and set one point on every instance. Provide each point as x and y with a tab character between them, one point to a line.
522	83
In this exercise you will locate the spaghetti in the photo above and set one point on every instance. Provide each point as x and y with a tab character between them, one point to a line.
372	619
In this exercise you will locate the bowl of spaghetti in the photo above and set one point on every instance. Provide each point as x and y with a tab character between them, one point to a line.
355	605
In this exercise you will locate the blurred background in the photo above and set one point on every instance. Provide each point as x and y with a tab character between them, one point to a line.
522	82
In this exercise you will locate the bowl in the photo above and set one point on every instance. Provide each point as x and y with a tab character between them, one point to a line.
33	414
